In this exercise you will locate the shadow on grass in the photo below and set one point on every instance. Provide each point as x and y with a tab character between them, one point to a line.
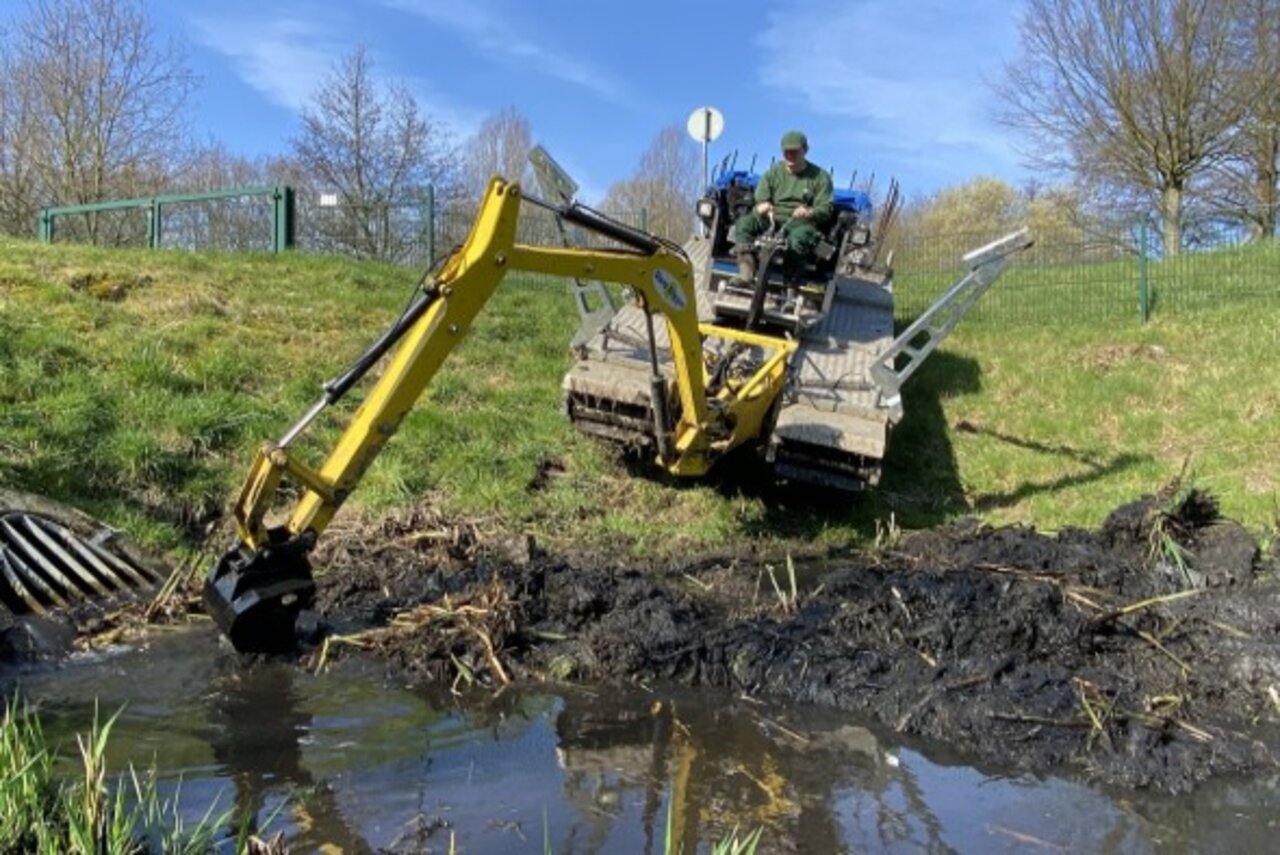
919	485
1096	468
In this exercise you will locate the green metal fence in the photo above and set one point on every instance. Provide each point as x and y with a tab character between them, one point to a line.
1075	274
413	232
233	218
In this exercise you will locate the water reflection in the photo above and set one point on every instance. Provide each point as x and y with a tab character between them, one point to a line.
712	768
256	725
347	762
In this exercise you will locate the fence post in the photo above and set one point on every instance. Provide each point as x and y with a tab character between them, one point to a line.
1144	303
430	216
283	209
153	225
644	219
46	226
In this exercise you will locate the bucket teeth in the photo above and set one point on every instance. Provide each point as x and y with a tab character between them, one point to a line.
44	565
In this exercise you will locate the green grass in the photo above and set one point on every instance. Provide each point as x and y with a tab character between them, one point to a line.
1073	419
143	404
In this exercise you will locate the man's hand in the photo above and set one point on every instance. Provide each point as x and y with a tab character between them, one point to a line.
802	213
764	208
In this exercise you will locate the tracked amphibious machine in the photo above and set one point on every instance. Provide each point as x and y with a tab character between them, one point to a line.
677	370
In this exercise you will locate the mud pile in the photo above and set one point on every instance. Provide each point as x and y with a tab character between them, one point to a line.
1146	653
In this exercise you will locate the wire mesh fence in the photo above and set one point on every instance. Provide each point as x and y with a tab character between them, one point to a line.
400	233
233	225
416	234
1102	275
1079	278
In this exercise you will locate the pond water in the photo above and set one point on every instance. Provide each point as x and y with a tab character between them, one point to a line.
351	761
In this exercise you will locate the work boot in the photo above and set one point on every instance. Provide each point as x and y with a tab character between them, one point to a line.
746	274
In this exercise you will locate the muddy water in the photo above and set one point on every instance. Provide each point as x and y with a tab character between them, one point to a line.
348	760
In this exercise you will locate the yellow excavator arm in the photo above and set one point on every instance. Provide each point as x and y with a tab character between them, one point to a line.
257	590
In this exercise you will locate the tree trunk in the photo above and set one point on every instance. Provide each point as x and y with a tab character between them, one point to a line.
1171	219
1265	219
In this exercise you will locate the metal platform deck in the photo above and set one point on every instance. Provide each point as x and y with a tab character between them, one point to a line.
833	402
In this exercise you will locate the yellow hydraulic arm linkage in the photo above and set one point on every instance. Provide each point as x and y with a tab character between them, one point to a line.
260	586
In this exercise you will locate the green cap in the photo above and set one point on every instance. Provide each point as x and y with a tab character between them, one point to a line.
794	139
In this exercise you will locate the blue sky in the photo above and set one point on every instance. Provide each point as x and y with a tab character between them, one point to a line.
894	87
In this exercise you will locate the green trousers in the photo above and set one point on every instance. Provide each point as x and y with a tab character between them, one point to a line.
802	235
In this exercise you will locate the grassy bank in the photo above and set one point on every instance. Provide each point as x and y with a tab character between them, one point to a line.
136	385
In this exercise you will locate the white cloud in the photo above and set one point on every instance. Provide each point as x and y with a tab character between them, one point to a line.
908	76
285	59
492	34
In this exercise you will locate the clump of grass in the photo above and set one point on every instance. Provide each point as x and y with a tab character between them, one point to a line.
888	535
28	792
731	844
734	845
788	600
43	813
1181	507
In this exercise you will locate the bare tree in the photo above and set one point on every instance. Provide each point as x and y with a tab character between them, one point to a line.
374	149
1245	185
1139	96
212	166
665	185
500	146
20	196
98	102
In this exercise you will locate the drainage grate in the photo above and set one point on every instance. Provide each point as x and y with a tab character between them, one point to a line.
44	566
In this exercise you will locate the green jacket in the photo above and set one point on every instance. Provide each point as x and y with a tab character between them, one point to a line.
811	186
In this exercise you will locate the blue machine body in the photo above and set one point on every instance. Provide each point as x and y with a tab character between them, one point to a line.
856	201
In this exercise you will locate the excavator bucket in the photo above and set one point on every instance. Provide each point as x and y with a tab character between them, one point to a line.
257	596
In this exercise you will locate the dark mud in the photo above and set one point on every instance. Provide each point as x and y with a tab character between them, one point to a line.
1142	654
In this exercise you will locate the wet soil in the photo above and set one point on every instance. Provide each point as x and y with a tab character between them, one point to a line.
1142	654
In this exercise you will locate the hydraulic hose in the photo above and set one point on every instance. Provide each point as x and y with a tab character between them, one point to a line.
337	387
593	220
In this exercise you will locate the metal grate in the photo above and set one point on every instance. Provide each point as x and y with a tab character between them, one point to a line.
46	566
